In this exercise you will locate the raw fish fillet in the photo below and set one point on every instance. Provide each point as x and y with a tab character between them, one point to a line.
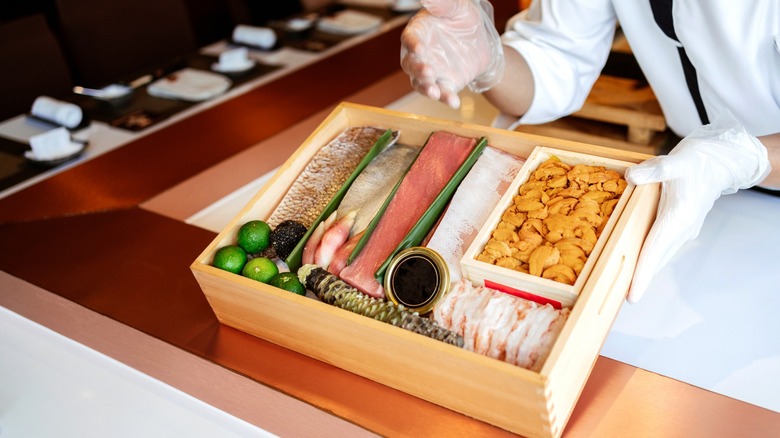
438	161
476	197
324	175
370	189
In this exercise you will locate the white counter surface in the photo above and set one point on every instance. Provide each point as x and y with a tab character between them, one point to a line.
710	317
54	386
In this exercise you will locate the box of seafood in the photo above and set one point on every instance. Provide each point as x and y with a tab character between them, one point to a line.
545	235
372	216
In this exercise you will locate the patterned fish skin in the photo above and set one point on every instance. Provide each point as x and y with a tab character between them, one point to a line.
324	175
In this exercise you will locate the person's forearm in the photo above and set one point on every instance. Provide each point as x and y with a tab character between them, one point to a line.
513	95
772	144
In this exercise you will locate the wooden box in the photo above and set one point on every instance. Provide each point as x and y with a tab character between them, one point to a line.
526	285
516	399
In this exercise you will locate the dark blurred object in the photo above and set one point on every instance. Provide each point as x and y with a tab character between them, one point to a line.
12	10
211	20
31	64
503	10
260	12
116	39
624	65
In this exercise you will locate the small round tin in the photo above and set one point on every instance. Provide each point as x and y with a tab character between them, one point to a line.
416	278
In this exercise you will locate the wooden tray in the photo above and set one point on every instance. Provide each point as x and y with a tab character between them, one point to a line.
522	401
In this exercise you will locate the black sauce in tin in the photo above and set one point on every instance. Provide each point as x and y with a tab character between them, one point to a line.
416	278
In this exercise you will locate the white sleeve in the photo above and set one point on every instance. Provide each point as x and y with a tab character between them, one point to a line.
566	44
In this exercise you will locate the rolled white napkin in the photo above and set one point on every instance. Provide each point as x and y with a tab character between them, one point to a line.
62	113
262	37
51	145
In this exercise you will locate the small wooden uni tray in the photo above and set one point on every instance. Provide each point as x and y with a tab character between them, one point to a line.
529	286
516	399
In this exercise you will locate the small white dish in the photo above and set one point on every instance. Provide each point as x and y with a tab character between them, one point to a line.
298	24
406	5
190	84
349	22
235	68
110	92
73	150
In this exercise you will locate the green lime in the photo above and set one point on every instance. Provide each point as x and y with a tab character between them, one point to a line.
261	269
289	282
254	236
230	258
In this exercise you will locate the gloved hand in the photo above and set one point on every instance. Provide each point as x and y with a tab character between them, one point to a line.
716	159
451	44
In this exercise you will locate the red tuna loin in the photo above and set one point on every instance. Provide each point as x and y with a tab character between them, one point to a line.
441	157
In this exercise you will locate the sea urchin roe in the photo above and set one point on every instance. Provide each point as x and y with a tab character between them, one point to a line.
555	220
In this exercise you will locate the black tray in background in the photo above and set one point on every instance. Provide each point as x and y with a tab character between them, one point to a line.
143	110
14	167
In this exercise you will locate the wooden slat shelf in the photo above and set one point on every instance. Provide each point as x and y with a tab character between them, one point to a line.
619	112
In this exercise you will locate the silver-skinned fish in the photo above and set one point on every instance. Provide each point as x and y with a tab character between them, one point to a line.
370	189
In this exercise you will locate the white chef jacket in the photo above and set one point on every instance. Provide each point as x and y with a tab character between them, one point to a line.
733	45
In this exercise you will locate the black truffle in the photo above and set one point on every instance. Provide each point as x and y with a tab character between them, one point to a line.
285	236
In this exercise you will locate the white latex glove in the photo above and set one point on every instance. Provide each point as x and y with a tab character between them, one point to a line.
716	159
451	44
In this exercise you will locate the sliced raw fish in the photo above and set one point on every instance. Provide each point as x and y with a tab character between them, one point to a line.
438	161
335	236
310	248
370	189
342	254
499	325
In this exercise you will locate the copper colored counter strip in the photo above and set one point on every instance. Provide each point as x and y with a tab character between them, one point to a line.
141	169
130	265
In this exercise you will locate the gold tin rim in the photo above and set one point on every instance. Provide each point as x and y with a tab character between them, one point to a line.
440	266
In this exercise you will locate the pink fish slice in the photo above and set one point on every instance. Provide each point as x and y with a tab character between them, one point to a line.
311	245
333	239
342	254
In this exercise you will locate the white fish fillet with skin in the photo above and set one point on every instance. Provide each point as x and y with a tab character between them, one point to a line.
370	189
478	193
